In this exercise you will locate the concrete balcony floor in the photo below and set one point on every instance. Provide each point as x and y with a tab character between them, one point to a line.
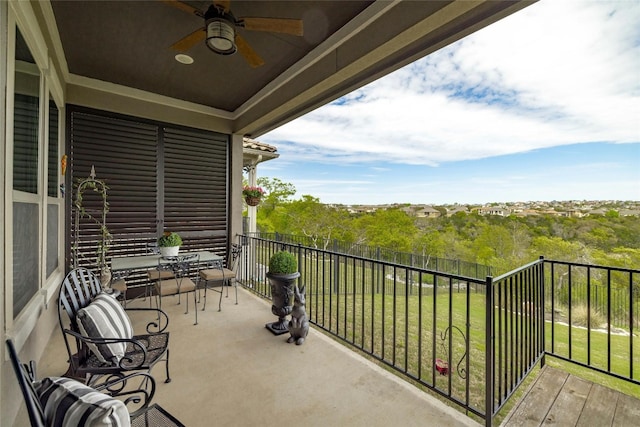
229	370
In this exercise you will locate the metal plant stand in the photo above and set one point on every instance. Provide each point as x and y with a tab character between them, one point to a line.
98	221
442	365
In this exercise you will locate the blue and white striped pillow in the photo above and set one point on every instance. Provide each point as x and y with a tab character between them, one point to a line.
67	403
105	318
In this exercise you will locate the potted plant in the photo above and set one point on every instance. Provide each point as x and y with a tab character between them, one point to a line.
252	195
282	274
169	243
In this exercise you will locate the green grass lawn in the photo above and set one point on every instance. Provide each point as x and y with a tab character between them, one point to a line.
409	327
406	332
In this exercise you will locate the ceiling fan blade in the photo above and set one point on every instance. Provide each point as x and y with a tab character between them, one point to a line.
223	4
247	51
189	41
184	7
274	25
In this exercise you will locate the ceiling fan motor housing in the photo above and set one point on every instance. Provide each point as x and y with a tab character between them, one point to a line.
221	33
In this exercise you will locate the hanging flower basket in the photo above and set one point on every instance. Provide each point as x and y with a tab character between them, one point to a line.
252	201
252	195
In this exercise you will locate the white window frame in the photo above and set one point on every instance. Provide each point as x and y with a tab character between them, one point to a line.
19	327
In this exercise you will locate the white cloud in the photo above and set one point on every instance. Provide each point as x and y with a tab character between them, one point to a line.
556	73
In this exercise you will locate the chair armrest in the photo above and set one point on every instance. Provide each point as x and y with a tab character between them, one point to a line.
135	390
126	363
153	327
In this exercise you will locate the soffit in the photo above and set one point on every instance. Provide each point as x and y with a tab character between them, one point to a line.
346	44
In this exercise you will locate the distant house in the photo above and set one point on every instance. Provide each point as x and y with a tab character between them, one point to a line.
427	212
494	210
629	212
598	211
457	209
575	213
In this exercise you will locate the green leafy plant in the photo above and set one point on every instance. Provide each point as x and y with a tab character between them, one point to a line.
283	262
169	239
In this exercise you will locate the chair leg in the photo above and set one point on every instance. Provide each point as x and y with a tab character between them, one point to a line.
158	305
220	301
168	380
204	305
148	289
195	304
235	285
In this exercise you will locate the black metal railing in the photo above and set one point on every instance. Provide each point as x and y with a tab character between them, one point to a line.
515	317
472	341
444	265
589	327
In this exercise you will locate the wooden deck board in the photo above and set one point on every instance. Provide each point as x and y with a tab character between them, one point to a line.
533	408
560	399
597	410
627	412
569	403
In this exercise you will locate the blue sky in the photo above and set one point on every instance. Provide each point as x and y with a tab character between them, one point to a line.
542	105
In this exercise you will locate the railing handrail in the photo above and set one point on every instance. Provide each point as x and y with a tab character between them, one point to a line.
383	262
486	270
593	266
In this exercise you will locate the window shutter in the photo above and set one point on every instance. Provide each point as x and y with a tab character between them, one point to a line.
124	155
195	187
159	177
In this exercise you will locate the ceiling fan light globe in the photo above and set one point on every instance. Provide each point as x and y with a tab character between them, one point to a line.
221	37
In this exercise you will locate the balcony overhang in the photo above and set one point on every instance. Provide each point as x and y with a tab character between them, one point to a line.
115	50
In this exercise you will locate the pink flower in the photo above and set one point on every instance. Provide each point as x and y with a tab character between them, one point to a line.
250	191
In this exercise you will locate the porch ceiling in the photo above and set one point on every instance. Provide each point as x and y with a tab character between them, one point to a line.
346	44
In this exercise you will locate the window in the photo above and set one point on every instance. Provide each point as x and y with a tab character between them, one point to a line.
54	203
26	203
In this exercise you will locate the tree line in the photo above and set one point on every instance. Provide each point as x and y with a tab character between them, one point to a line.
504	243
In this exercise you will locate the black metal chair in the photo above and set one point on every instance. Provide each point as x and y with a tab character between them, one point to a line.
181	267
139	352
135	390
219	275
155	274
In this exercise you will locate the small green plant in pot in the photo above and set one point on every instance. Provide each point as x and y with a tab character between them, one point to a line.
282	274
169	243
283	262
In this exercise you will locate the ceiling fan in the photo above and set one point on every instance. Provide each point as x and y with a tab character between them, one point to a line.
220	30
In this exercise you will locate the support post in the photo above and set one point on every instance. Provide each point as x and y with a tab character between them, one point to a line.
489	356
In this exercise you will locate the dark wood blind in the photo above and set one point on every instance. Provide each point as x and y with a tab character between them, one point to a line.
159	177
195	187
52	169
25	143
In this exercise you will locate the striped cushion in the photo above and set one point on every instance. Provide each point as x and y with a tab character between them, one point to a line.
67	402
105	318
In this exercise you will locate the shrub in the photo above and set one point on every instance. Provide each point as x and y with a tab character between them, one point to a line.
283	262
579	317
